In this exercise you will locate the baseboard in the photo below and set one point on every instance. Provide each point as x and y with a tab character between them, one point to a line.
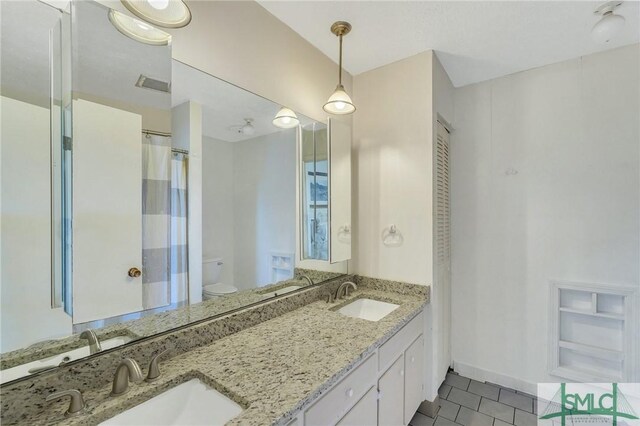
483	375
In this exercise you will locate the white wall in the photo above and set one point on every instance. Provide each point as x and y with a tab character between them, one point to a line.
249	204
186	125
265	204
217	204
392	156
26	229
571	131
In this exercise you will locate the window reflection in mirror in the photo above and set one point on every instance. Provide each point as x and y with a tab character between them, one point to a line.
315	191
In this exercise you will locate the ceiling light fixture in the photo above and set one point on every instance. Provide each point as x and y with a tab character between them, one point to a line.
610	24
340	102
138	30
248	128
164	13
286	119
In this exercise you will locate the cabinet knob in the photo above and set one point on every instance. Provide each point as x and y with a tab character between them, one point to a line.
134	272
413	359
349	392
402	372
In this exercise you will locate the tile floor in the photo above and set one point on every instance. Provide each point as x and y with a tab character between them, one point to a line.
467	402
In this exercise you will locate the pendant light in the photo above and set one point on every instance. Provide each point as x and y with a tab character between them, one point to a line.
340	102
285	119
610	24
163	13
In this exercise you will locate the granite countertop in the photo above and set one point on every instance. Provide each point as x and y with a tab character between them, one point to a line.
158	322
274	369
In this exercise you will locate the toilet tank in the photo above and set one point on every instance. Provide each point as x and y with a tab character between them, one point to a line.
211	270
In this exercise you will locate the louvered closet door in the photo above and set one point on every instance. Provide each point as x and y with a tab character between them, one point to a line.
443	240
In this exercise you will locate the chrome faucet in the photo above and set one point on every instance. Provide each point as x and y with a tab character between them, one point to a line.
345	286
76	406
154	367
127	370
306	277
94	342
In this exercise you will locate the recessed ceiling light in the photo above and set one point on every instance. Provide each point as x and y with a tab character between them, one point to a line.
164	13
159	4
138	30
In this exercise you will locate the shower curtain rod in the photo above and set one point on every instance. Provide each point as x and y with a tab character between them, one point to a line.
153	132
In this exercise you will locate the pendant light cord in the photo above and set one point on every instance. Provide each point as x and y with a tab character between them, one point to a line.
340	63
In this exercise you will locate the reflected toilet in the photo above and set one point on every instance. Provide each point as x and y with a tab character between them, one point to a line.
212	288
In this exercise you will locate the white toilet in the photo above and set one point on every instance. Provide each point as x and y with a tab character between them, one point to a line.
212	288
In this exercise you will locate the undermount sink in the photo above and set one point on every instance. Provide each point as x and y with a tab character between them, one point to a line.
190	403
368	309
55	360
280	291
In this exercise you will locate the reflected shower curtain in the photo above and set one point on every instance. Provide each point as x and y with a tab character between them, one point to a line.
156	221
179	246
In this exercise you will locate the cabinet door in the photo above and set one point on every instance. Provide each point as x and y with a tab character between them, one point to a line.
391	402
414	376
364	413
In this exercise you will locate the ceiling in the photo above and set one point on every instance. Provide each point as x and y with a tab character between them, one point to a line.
25	54
224	106
106	64
474	40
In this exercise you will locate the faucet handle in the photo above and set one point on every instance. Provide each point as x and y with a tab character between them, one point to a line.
76	405
330	298
154	367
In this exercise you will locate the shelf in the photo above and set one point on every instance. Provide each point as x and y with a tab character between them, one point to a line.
584	376
608	354
618	317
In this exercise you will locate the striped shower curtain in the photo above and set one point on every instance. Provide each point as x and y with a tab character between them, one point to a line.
179	247
156	221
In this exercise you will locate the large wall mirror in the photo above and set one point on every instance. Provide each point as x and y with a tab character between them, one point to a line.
140	194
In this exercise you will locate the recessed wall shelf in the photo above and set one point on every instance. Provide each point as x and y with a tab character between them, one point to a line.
593	331
281	265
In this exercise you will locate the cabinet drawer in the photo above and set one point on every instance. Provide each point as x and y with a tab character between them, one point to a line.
337	402
399	342
365	411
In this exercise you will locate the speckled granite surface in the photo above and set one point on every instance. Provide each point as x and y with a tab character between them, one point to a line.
159	322
393	286
24	399
273	369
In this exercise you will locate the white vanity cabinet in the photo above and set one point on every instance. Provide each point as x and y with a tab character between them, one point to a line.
391	389
384	389
364	412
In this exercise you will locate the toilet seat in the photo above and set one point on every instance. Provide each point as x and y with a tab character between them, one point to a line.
218	289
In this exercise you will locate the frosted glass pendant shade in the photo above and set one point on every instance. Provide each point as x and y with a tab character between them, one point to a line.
286	119
607	28
164	13
339	102
138	30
